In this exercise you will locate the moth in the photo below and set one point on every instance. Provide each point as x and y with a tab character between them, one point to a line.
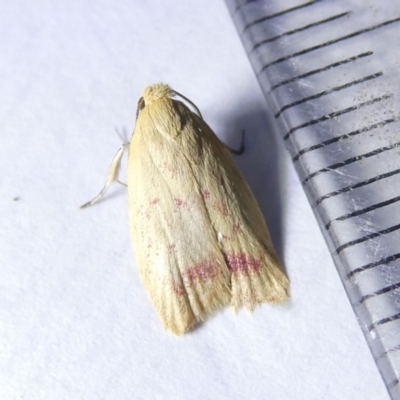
199	236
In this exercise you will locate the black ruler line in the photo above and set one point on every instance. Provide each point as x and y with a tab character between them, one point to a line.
335	114
367	237
328	43
243	5
387	289
385	321
351	160
382	261
364	210
393	383
387	352
301	29
327	92
343	137
278	14
322	69
357	185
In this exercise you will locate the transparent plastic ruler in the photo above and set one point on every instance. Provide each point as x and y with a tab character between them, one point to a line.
330	71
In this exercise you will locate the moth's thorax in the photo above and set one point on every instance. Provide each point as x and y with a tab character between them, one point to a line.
156	92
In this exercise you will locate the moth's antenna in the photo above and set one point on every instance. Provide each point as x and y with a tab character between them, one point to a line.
190	102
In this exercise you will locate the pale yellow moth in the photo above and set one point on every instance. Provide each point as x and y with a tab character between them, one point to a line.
199	236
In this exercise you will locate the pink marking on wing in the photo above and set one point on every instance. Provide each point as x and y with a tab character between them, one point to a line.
221	207
237	228
178	289
155	201
200	272
206	194
179	202
243	263
171	246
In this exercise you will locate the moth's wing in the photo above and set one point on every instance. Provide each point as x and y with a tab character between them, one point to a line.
256	272
176	247
199	235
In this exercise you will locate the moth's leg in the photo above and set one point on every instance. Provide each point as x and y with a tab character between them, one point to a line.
112	176
240	150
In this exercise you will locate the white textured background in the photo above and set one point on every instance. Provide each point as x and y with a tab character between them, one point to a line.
75	321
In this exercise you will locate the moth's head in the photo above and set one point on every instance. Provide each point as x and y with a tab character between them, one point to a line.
152	93
156	92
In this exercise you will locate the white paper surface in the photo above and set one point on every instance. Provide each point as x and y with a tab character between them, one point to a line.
75	320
